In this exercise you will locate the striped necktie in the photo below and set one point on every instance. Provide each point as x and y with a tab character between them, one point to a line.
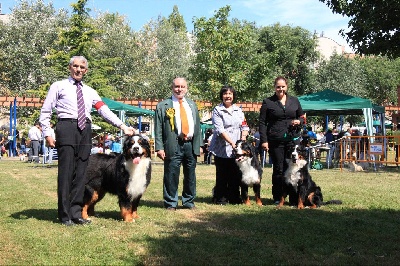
184	119
81	106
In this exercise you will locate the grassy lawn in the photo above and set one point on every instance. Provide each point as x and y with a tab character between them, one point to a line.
364	230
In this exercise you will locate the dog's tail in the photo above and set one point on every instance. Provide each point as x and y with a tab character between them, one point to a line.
337	202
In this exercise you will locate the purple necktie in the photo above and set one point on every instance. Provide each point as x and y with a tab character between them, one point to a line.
81	106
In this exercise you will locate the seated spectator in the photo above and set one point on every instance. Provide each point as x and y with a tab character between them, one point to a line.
116	146
311	134
321	137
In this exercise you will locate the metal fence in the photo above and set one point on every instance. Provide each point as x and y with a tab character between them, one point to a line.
365	151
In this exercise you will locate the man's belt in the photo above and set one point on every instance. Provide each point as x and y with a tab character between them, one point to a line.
185	139
73	120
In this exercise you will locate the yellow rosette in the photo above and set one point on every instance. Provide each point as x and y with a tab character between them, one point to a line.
170	114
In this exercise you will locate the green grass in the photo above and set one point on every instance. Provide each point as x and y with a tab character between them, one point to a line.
364	230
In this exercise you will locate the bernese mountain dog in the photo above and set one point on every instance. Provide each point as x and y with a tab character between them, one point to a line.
298	181
250	166
126	175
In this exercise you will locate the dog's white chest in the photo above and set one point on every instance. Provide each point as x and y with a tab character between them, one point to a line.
249	173
292	174
137	177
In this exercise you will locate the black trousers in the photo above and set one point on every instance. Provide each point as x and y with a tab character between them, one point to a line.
228	179
73	146
279	151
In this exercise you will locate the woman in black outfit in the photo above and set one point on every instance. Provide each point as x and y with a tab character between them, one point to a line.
281	119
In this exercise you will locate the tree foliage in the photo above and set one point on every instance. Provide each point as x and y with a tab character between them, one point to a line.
25	42
176	20
373	26
288	51
36	44
224	50
173	51
381	77
341	74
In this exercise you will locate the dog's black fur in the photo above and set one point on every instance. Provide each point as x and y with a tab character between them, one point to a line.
250	166
299	179
126	175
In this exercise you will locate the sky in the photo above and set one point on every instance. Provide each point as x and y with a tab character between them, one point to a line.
309	14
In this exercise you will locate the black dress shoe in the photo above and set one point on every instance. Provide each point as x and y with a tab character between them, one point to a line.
81	221
68	223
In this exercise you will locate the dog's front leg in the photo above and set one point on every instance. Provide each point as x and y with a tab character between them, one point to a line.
257	193
244	190
126	211
300	204
135	204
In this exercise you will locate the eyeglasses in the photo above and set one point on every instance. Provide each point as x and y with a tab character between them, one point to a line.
280	87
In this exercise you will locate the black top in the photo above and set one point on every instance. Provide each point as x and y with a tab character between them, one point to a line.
275	119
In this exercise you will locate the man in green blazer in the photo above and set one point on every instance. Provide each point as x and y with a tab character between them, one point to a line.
178	148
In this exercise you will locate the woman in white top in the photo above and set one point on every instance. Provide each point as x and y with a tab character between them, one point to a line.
229	126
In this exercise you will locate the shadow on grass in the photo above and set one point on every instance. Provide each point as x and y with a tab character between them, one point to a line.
269	236
39	214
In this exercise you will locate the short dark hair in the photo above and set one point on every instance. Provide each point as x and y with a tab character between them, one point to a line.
280	78
225	89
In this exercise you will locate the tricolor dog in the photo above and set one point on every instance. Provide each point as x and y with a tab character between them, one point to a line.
251	170
126	175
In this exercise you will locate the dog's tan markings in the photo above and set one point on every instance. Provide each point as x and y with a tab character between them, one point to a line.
310	198
281	202
300	204
247	201
134	214
88	208
258	201
127	214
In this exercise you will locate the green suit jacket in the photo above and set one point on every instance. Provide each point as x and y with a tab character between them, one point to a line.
167	139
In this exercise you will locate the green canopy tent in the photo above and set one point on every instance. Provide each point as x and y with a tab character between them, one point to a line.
125	109
128	109
328	102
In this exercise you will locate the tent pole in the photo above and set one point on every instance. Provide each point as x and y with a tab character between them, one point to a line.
327	123
15	129
10	131
140	119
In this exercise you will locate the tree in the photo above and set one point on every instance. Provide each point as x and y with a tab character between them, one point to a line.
176	20
116	44
174	53
381	78
79	39
341	74
25	42
224	51
286	51
373	25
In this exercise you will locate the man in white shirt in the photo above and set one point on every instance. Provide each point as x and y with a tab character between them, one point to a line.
35	135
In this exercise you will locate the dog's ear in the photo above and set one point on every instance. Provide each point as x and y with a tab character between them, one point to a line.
145	145
127	144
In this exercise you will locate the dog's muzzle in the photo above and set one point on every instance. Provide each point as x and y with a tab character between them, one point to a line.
295	157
